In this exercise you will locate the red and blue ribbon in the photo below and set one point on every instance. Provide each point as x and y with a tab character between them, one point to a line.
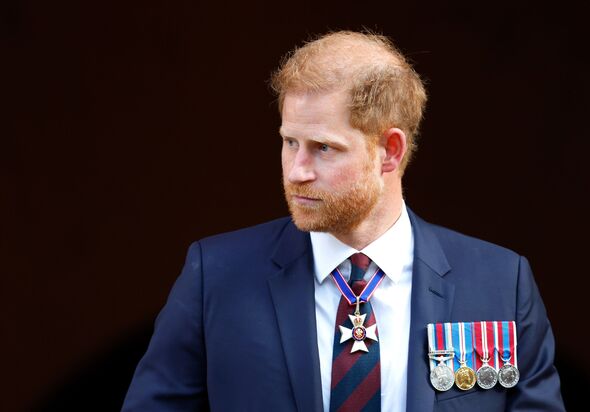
367	292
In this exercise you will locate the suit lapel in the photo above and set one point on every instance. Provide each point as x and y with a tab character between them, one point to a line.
292	290
432	300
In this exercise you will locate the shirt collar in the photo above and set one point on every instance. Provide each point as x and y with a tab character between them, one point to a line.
392	251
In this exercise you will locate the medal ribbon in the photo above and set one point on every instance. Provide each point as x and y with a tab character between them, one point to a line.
468	345
474	341
512	328
449	341
508	342
462	333
457	347
497	344
480	348
367	292
437	341
490	342
482	332
432	342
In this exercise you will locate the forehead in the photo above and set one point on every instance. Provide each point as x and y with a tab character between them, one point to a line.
315	114
315	105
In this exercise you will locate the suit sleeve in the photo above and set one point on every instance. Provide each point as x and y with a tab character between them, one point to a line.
538	388
172	374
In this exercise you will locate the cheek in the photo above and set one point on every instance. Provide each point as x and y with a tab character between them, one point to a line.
286	162
341	177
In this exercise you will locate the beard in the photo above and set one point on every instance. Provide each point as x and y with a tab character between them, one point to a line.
338	210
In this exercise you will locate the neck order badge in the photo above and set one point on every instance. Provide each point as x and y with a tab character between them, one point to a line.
358	332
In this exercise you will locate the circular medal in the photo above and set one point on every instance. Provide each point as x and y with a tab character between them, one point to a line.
508	375
359	333
487	377
442	377
465	378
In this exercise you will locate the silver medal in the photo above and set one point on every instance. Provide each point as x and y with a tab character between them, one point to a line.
442	377
487	377
508	375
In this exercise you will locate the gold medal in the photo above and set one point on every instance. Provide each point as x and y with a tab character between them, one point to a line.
465	378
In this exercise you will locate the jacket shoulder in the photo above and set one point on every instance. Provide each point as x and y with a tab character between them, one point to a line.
461	249
452	238
247	242
270	229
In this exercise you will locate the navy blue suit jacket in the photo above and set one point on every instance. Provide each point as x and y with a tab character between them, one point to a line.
238	331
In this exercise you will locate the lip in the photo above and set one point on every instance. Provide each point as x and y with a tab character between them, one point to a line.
305	200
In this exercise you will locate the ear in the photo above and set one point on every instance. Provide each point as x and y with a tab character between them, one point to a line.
394	143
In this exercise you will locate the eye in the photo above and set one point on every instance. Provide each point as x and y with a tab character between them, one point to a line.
289	142
324	147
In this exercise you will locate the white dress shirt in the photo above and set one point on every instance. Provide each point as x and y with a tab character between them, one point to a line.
393	252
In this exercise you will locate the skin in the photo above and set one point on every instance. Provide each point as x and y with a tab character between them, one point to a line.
323	154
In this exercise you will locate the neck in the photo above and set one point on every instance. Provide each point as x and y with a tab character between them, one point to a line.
382	217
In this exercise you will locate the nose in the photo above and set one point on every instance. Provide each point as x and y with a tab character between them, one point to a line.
301	168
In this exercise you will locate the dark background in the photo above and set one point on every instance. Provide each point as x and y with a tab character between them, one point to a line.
134	128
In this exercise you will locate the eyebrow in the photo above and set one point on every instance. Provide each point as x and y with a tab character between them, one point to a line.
321	140
318	139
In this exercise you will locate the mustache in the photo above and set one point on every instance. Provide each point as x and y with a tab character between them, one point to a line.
304	190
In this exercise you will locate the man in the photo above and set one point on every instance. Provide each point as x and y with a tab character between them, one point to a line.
270	318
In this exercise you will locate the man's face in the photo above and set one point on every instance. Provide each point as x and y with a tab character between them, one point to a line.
330	176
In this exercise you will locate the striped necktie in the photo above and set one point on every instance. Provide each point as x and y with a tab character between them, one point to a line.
356	377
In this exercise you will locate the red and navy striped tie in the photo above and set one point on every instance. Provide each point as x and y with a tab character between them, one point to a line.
356	377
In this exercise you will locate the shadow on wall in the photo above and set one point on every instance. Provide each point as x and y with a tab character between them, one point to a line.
102	385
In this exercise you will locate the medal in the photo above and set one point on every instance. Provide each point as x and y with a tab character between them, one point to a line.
440	350
442	377
487	377
508	375
464	376
358	332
